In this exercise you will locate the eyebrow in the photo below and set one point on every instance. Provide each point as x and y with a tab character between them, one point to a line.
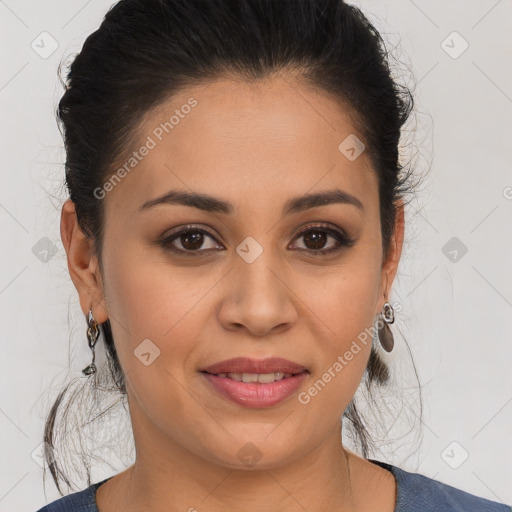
209	203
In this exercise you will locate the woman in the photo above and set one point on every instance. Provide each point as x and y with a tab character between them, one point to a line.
234	227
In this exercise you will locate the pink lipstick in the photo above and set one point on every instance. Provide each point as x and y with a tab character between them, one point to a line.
255	383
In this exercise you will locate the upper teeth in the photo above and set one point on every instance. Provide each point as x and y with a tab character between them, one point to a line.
264	378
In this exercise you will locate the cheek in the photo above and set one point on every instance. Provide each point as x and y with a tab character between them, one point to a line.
148	300
344	306
155	325
343	298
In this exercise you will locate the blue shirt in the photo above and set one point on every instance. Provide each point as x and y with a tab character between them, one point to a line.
415	493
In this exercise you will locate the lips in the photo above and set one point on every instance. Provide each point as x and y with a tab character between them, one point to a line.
255	382
248	365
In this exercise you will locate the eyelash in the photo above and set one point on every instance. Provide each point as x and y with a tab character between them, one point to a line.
343	240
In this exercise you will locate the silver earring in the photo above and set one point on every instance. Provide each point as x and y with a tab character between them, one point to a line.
92	336
384	332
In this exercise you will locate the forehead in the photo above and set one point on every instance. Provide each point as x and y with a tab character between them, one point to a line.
233	139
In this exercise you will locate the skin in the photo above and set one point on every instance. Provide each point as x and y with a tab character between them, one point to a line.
255	146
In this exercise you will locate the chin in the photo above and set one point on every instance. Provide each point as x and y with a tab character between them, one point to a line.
254	455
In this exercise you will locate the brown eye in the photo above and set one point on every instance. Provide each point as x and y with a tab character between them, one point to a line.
192	240
189	240
316	238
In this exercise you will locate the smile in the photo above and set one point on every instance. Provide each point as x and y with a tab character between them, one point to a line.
255	389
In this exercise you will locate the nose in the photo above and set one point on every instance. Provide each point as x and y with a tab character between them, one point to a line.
258	299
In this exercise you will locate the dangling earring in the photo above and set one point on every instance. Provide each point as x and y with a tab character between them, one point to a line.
385	335
92	336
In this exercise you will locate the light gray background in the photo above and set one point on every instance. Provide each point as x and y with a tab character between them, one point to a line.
456	317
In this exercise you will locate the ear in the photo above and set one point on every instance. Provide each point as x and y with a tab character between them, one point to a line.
390	264
82	264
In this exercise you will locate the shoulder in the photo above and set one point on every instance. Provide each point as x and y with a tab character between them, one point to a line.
419	493
81	501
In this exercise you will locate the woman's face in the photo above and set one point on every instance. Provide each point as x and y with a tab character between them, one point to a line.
250	285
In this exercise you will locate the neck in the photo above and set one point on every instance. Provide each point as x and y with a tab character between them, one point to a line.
168	477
